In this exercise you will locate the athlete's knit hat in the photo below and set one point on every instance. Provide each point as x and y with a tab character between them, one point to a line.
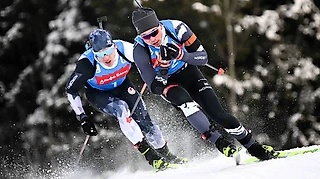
100	39
144	19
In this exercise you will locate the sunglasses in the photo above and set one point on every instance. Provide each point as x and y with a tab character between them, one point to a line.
151	34
107	52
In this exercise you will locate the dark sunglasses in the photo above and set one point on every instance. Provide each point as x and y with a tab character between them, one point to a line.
151	34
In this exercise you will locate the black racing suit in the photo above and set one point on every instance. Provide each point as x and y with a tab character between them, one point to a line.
188	86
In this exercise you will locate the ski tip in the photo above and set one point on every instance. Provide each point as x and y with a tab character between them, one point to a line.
237	157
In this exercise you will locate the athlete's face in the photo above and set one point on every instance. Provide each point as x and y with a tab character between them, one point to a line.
107	55
153	36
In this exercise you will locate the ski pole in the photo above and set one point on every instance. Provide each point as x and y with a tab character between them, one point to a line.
144	85
140	94
220	70
82	148
100	21
138	100
140	6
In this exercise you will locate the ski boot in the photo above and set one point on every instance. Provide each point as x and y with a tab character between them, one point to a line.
153	158
226	147
159	164
169	157
262	152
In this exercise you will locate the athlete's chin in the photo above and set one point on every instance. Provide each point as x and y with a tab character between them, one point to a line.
157	43
108	64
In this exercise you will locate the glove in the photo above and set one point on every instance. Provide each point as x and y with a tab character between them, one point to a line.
171	51
157	86
165	55
87	126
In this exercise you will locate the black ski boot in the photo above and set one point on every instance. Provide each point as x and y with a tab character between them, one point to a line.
262	152
151	155
226	147
165	153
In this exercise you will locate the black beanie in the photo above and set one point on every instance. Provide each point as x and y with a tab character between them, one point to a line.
144	19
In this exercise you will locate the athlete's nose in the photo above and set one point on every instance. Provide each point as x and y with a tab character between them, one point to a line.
106	57
152	39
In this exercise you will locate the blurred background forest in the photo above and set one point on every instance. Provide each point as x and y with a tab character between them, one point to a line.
268	48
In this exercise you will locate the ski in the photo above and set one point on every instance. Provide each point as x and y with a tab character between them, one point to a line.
172	167
236	156
287	153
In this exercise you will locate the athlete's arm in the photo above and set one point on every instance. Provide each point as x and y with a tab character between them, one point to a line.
83	71
196	54
148	74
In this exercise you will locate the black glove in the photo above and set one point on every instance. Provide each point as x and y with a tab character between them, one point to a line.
87	126
157	86
171	51
165	55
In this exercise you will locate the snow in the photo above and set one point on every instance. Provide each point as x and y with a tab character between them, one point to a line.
301	166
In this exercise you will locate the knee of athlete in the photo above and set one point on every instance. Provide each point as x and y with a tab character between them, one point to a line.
123	109
155	137
178	95
189	108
